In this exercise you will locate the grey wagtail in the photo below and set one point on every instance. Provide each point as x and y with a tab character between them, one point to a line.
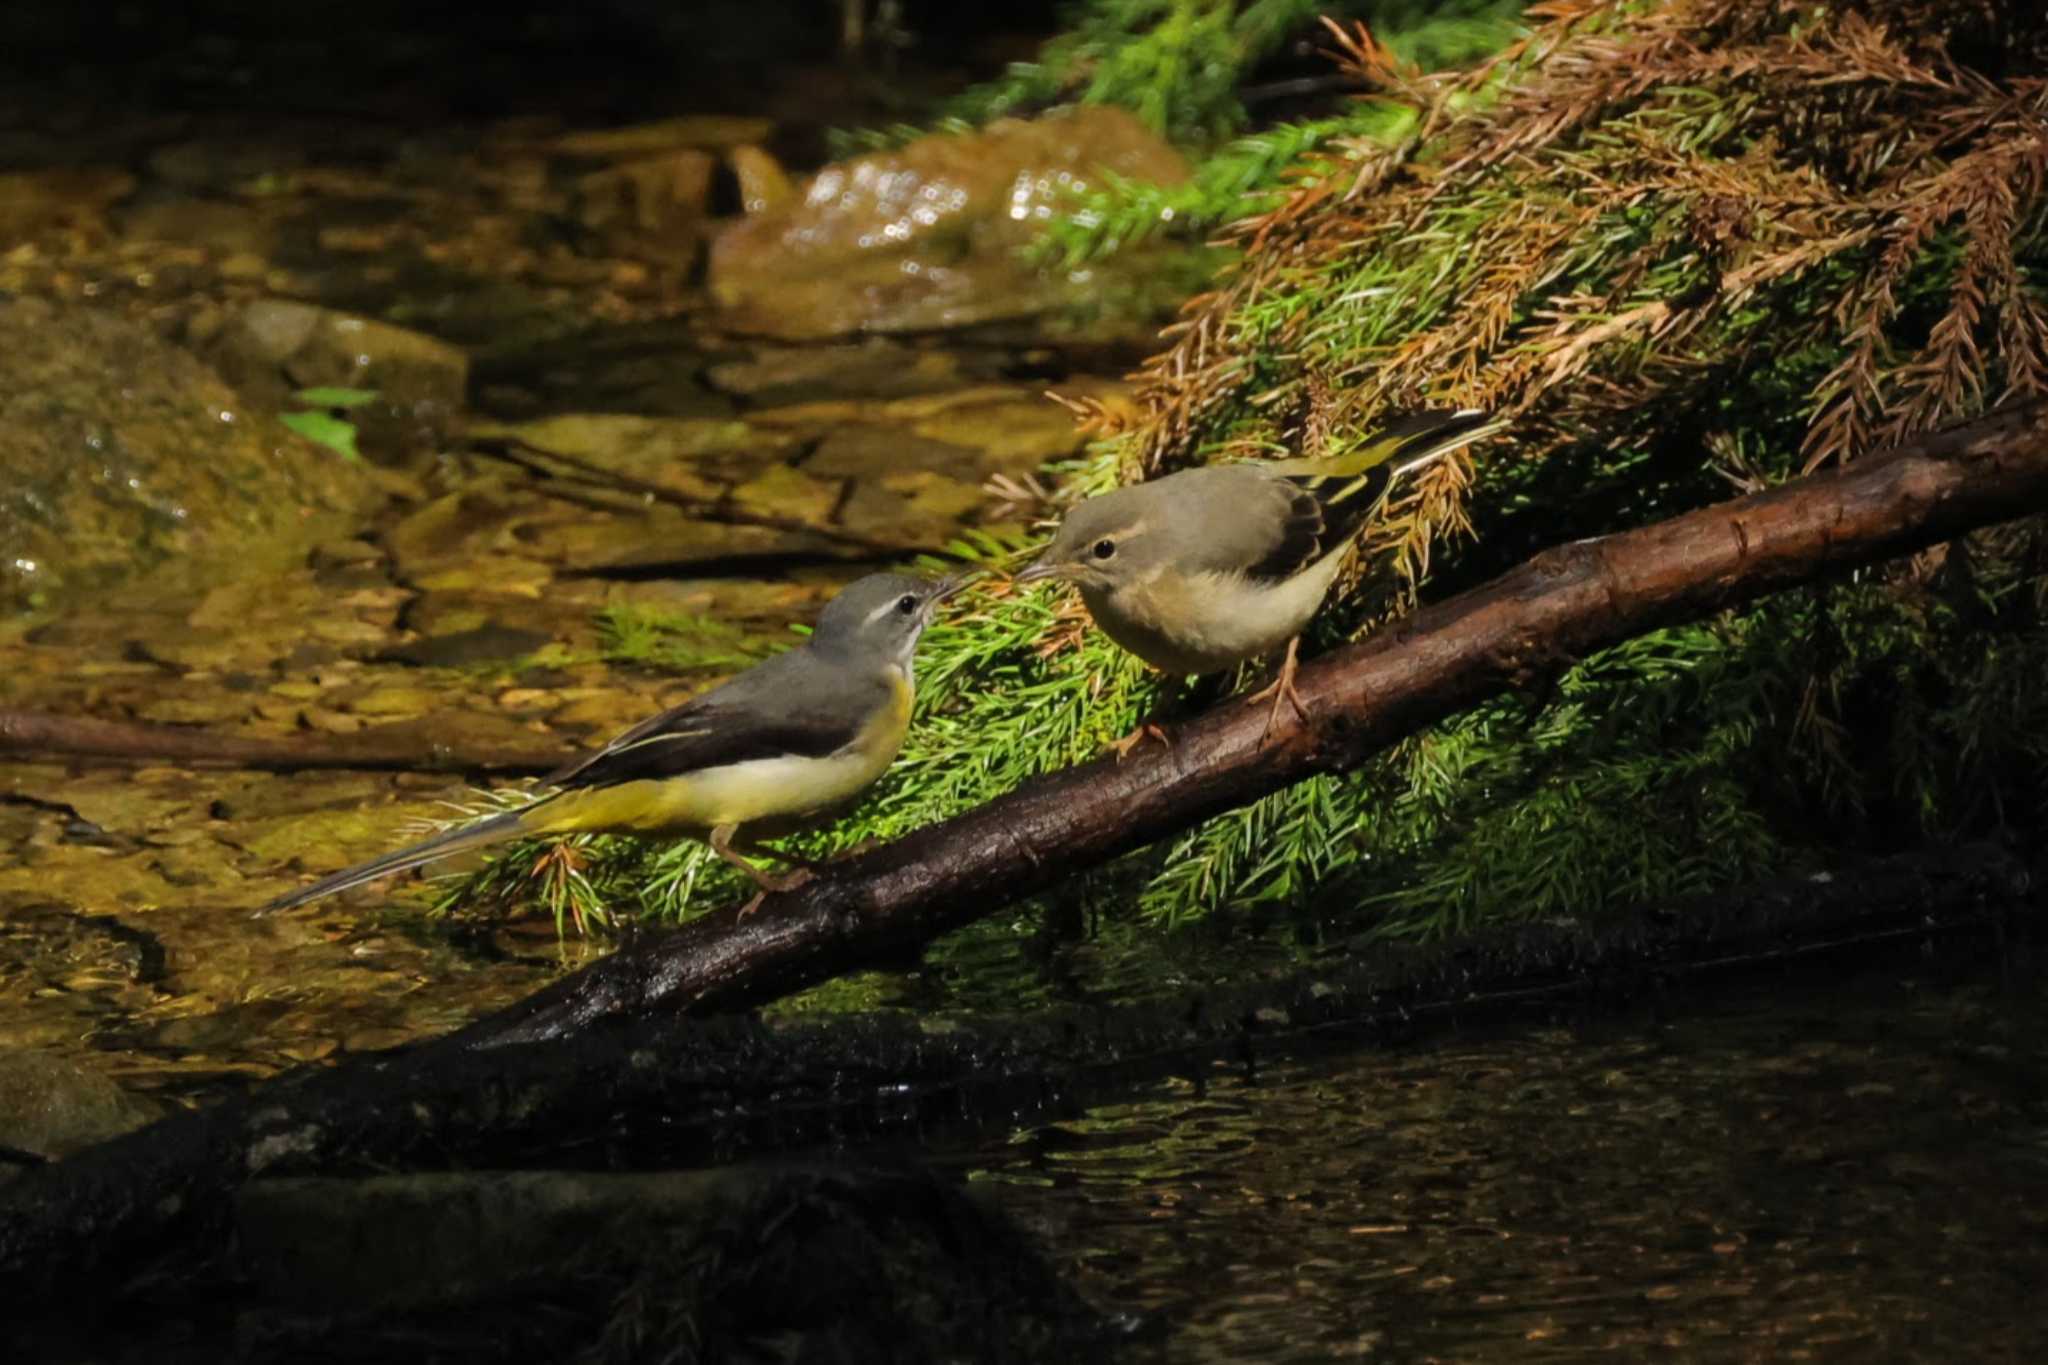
1209	567
778	748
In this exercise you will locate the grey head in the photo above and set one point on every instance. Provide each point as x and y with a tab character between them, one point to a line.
1106	540
881	616
1194	519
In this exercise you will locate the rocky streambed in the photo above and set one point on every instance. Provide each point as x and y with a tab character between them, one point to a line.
320	436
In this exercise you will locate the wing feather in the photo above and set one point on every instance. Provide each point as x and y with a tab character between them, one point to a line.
1333	499
774	710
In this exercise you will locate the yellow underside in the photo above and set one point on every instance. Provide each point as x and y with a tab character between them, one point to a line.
773	790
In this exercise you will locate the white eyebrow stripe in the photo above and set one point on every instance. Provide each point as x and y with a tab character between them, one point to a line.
879	612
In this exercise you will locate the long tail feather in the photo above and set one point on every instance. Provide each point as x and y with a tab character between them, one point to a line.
1399	446
495	830
1350	489
1450	431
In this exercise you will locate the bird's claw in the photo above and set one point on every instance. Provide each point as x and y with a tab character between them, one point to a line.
1280	690
1122	747
788	881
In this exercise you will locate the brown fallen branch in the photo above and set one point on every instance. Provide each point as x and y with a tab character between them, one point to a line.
395	748
1556	608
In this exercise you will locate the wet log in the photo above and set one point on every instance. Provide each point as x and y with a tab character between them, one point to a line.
43	734
1512	633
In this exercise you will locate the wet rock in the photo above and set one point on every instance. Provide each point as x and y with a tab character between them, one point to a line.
226	164
927	236
396	700
691	456
663	539
33	200
120	451
457	543
485	644
343	554
915	507
779	490
493	574
228	229
862	449
1014	430
209	708
873	368
53	1107
645	368
638	140
277	347
599	714
323	840
656	205
764	185
760	1262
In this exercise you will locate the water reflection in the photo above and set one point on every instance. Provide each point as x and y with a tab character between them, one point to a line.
1848	1174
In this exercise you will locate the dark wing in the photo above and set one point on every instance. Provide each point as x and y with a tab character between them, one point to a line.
1322	512
1329	506
773	710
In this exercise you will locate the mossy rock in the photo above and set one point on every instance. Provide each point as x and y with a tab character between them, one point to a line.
121	452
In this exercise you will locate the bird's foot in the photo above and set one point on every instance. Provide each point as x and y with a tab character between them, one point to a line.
1122	747
782	855
1280	690
768	882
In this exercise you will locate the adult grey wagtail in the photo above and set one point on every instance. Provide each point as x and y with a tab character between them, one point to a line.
1209	567
778	748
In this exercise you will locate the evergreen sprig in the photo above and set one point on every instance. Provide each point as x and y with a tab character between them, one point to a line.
1183	66
1694	247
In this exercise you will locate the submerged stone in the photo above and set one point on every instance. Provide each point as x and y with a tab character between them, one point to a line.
875	367
655	206
120	451
488	643
927	236
31	201
764	185
279	347
53	1107
636	140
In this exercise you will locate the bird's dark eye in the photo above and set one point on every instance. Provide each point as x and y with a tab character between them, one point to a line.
1105	549
906	604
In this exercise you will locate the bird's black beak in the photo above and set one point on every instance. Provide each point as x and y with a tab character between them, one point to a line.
1038	572
947	587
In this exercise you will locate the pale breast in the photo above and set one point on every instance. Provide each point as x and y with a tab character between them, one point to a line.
1205	622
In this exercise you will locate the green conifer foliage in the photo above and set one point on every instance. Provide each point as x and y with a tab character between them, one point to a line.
1694	248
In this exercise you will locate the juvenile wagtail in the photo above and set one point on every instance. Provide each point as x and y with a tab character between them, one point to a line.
777	749
1209	567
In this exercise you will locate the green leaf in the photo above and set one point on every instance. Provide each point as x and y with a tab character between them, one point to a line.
330	397
332	432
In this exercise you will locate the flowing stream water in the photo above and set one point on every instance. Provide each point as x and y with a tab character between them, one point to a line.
1799	1170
